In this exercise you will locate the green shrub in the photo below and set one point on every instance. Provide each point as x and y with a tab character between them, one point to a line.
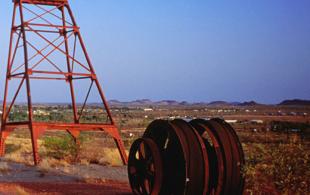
61	148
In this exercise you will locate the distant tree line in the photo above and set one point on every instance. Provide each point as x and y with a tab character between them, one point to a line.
286	127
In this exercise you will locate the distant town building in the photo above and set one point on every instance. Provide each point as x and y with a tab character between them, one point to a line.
41	113
257	121
231	121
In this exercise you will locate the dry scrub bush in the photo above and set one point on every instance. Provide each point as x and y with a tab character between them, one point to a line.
4	167
100	155
19	150
48	164
291	168
20	191
89	151
111	157
277	167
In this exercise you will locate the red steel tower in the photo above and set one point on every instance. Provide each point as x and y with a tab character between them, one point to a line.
42	30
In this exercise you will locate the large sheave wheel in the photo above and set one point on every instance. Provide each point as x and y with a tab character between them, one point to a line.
145	167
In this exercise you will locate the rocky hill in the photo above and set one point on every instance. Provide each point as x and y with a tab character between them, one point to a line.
295	102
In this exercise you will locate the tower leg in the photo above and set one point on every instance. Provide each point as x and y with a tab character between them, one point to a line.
4	135
36	132
119	143
75	135
121	149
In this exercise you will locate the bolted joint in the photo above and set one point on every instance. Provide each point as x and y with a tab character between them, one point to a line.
69	77
62	32
25	24
93	77
76	30
8	76
29	72
14	28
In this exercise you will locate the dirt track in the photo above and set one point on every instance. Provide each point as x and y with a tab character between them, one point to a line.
16	178
108	188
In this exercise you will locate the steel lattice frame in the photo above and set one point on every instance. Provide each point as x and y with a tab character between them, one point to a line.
27	72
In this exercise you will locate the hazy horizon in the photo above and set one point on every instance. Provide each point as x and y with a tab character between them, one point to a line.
154	101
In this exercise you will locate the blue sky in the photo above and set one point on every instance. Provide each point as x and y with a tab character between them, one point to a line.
199	50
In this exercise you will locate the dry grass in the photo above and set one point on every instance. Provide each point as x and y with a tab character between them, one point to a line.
277	167
93	181
91	152
48	164
19	150
100	155
111	157
20	191
4	167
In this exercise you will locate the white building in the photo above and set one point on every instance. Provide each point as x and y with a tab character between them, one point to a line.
231	121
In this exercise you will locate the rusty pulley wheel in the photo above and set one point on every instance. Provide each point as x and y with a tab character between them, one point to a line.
225	143
216	155
174	151
145	167
200	157
238	157
197	159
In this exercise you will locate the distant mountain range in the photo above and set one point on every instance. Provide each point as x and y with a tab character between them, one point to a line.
295	102
147	102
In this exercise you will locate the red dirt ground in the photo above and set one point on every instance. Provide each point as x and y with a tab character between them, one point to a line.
107	187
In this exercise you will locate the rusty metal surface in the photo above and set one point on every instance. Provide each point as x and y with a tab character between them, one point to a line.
238	157
199	157
197	165
145	167
216	156
225	144
38	18
43	2
172	146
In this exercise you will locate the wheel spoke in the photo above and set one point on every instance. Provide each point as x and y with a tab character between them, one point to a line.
143	156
